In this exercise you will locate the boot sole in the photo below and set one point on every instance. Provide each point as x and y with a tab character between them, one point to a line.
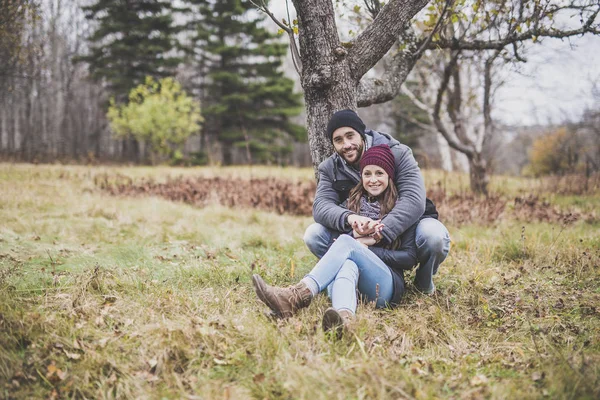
332	321
260	287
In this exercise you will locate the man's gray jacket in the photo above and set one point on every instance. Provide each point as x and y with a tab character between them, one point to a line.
335	173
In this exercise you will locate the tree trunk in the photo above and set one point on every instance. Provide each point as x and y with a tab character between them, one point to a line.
478	175
227	153
326	79
331	71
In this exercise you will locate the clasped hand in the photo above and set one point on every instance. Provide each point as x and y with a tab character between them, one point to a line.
366	230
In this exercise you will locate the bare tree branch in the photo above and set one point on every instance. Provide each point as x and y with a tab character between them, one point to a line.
262	6
449	135
375	41
515	37
488	126
427	127
469	151
435	29
379	90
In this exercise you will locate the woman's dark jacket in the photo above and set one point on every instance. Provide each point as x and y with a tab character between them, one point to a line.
405	257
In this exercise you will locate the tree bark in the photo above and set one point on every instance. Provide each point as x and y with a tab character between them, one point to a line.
478	174
331	71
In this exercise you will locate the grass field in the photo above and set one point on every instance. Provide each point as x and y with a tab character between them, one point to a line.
115	297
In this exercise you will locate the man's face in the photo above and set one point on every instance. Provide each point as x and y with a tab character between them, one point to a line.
348	143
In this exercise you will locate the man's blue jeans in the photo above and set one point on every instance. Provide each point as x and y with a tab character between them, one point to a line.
433	245
349	265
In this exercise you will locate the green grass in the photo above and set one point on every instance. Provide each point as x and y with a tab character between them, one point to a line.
106	297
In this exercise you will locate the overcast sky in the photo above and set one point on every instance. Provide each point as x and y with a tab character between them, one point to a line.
554	85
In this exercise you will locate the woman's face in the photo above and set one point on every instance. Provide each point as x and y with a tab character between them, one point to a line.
375	180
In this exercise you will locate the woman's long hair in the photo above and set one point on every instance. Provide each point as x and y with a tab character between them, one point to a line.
387	202
387	198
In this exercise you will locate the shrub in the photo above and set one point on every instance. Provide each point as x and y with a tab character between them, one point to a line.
159	113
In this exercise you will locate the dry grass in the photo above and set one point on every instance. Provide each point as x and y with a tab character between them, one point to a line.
110	297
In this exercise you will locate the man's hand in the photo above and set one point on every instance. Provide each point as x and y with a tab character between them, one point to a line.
362	226
354	219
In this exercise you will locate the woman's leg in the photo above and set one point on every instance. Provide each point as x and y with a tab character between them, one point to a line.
344	258
374	282
343	287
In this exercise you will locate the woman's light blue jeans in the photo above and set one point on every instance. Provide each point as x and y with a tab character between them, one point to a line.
348	265
433	245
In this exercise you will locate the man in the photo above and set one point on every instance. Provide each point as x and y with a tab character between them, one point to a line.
340	172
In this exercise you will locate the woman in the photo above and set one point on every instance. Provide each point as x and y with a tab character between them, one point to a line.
354	261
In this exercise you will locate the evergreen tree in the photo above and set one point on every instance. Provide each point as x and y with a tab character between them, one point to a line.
247	102
133	39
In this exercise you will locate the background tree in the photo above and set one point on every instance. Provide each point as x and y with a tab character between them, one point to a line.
15	15
556	152
132	40
247	101
159	113
332	72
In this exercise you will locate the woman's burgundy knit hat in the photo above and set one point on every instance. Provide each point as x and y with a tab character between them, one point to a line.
380	155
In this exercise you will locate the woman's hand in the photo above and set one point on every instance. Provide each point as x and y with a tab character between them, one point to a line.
366	227
366	240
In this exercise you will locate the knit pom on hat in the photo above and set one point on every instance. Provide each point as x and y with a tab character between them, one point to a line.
380	155
345	118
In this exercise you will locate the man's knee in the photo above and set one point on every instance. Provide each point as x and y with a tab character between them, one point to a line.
432	237
315	233
317	238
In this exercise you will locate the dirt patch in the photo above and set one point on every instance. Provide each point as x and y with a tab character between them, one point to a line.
296	198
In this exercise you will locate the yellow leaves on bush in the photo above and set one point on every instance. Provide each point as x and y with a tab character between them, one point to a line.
159	113
553	153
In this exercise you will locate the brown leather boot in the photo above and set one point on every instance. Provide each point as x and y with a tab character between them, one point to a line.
284	302
337	321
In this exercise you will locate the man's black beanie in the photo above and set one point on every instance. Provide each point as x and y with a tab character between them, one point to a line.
345	118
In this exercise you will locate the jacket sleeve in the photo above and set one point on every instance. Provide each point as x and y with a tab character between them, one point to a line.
326	207
411	195
403	258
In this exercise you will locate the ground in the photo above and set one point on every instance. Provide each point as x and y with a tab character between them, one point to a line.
105	294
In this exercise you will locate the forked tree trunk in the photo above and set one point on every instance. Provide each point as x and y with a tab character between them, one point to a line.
478	175
331	71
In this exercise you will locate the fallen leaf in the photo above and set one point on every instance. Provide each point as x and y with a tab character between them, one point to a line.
479	380
537	376
72	356
109	299
61	374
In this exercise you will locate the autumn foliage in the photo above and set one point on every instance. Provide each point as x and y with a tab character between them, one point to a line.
296	198
554	153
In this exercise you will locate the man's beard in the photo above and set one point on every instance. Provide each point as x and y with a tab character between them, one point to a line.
359	152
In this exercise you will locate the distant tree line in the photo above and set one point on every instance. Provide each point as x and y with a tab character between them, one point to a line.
67	60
